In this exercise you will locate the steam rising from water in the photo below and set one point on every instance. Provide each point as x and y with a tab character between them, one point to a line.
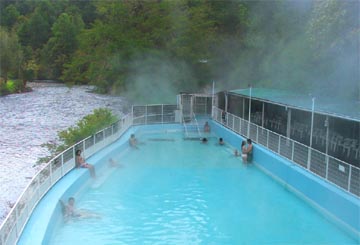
156	79
309	46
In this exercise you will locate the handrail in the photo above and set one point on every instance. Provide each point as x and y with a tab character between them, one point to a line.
49	174
147	114
15	221
328	167
186	131
197	125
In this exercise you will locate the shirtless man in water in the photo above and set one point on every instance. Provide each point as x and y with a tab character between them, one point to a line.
133	141
69	211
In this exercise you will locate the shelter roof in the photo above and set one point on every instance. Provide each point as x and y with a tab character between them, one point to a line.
327	106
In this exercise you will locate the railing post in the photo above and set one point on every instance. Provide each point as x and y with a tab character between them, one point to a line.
257	134
132	115
162	113
146	114
267	138
349	179
293	150
62	164
51	175
309	158
74	153
16	223
279	144
240	125
327	166
233	123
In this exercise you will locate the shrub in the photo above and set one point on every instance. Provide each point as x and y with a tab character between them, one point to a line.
11	86
89	125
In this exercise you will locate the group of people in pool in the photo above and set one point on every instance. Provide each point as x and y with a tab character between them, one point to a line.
246	146
246	151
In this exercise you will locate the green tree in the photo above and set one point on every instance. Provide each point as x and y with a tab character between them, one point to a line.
9	16
10	54
35	31
333	31
62	44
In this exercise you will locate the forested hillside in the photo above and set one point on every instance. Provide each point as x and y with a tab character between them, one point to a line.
159	48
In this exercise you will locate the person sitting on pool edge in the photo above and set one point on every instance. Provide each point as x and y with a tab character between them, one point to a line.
249	151
133	141
80	163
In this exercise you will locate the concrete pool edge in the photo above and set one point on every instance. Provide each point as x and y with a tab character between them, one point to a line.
323	195
43	216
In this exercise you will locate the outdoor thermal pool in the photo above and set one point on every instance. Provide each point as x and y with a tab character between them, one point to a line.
176	191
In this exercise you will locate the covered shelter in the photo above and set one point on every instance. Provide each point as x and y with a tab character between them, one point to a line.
325	124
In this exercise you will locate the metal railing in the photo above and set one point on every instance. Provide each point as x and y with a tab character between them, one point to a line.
60	165
53	171
196	124
338	172
153	114
192	123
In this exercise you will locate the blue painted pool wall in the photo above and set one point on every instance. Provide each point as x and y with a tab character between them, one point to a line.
337	202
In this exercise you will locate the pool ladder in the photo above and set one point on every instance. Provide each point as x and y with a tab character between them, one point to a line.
191	127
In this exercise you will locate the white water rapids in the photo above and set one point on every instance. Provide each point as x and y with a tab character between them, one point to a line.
30	119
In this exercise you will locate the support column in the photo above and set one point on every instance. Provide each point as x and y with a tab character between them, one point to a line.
263	115
311	131
226	101
248	132
243	109
288	125
327	124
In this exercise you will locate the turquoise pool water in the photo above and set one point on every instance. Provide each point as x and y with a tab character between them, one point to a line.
175	191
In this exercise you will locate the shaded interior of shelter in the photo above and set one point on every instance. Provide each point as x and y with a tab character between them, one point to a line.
336	135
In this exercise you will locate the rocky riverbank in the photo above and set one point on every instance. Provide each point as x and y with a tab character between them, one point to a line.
29	120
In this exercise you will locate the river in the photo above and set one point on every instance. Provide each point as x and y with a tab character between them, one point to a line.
28	120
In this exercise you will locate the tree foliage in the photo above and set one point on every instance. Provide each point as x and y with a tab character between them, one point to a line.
10	54
119	46
87	126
